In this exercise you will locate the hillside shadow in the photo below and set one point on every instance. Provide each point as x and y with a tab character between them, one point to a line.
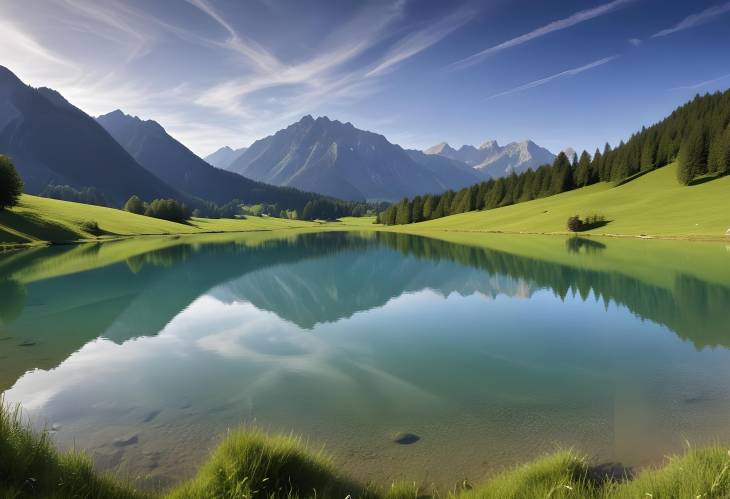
35	227
634	177
704	179
594	225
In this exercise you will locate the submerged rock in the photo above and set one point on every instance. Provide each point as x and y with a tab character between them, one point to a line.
125	441
27	344
406	438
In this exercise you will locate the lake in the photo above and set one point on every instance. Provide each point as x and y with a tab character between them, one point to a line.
143	352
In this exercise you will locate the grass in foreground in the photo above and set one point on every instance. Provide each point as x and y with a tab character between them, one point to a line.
31	467
248	463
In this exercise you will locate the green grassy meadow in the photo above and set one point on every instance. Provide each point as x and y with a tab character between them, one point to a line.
38	220
249	463
654	204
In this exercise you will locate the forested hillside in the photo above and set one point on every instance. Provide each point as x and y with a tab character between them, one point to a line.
696	135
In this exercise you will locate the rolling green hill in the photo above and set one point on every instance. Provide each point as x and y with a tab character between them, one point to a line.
654	204
39	220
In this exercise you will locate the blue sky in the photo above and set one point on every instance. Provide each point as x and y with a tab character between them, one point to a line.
216	72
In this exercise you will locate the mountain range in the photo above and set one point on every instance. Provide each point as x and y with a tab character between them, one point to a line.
153	148
492	160
337	159
53	142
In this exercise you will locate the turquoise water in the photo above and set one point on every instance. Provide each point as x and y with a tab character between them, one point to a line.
489	357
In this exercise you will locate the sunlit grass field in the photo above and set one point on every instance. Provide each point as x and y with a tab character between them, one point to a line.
654	204
38	219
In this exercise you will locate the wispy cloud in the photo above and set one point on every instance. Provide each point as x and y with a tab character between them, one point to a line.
17	41
421	40
635	41
695	19
301	85
563	74
254	52
561	24
328	77
98	55
701	84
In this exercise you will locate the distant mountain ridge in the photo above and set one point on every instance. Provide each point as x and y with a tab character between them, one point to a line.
224	157
339	160
494	161
52	141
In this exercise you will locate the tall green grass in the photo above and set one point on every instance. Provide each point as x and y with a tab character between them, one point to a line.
31	467
251	464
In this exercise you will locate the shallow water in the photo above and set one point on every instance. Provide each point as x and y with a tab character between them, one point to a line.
490	357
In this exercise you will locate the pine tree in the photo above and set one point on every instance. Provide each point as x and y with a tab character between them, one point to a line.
581	175
648	153
620	163
428	206
403	212
496	194
440	210
416	209
692	159
606	161
308	212
595	174
562	175
718	159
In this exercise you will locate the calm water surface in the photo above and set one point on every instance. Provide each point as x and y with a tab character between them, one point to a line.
490	357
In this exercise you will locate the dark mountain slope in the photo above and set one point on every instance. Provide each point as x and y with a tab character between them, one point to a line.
51	141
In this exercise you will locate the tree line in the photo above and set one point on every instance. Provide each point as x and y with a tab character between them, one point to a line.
316	209
85	195
166	209
696	135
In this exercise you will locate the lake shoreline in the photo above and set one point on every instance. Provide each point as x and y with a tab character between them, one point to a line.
249	461
334	226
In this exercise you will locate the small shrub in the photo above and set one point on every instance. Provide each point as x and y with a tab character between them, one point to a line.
575	223
91	226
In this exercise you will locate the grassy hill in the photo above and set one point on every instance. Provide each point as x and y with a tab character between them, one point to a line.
38	220
654	204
